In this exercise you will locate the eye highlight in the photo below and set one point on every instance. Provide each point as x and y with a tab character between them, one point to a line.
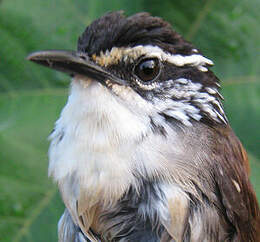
147	70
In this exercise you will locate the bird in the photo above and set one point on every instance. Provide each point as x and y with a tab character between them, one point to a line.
143	150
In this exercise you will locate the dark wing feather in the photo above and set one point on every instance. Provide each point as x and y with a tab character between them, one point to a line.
235	190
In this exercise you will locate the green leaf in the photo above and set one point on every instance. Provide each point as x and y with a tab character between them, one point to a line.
31	97
242	105
24	186
255	171
49	24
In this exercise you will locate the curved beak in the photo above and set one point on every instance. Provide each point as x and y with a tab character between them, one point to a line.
73	63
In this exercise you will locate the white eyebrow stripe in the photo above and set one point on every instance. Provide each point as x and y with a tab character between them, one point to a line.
178	60
116	54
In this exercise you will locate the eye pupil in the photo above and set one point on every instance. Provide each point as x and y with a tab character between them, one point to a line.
147	67
147	70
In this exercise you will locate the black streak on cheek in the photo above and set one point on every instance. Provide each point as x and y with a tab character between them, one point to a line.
158	129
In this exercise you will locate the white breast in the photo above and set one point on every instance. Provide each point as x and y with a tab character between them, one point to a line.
94	141
98	143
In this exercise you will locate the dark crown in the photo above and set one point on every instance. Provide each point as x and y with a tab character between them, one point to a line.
116	30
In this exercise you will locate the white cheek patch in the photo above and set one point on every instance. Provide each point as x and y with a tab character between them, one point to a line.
192	101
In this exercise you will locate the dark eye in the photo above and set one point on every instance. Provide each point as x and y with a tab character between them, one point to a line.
147	70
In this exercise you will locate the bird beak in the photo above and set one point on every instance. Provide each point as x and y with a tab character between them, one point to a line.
73	63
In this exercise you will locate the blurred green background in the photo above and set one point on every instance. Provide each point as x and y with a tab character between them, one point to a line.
31	97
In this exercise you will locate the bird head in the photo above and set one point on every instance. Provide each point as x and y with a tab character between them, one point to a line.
146	66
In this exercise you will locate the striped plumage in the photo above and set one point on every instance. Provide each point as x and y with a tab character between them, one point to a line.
143	150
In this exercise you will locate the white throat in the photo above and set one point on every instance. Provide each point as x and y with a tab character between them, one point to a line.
98	144
95	139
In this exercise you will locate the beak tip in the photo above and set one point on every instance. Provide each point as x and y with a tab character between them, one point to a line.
71	62
29	57
32	56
